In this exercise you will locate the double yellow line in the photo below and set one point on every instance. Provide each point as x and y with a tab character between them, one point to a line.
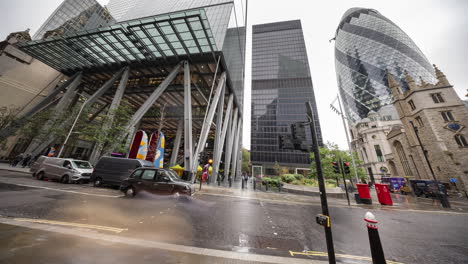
41	221
325	254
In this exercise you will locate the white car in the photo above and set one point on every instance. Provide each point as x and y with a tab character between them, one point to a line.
63	170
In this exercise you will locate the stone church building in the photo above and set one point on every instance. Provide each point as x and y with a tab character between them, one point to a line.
433	137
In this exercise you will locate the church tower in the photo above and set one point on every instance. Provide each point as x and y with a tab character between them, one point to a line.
435	121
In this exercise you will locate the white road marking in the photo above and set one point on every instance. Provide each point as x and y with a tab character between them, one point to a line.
261	200
43	221
68	191
162	245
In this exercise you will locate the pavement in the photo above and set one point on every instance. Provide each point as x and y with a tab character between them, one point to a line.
216	225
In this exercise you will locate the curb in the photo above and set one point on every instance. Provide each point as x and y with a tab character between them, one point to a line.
24	172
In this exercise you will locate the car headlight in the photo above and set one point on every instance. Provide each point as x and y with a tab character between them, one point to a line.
187	188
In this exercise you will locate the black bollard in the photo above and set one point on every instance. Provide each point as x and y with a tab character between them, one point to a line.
254	184
243	183
267	185
280	184
377	253
230	182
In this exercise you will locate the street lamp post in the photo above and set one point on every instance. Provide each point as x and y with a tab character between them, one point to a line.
324	219
441	195
347	139
71	129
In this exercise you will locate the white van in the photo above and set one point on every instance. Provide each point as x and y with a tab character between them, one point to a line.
64	170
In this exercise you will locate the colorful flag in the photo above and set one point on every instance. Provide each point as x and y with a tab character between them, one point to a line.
152	146
139	147
159	159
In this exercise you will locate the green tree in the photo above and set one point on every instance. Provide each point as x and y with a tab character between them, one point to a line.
277	168
110	137
245	161
47	122
7	116
331	153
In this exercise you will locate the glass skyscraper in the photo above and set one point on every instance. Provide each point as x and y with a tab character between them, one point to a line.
225	20
72	16
367	44
281	84
218	12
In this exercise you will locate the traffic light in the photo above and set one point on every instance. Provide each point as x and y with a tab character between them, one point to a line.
336	168
346	167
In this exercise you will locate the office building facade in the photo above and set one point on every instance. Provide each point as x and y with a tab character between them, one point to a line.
367	44
178	65
281	85
72	16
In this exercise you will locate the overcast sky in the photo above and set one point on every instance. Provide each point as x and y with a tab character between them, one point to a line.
439	28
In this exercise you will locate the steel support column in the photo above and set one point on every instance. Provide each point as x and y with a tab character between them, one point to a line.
235	152
103	89
92	99
207	123
23	118
218	133
175	148
226	123
59	109
230	142
188	147
153	97
98	148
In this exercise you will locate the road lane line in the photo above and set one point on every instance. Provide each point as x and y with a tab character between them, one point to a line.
387	209
44	221
163	245
325	254
68	191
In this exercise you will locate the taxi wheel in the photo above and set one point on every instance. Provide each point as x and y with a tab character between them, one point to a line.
130	192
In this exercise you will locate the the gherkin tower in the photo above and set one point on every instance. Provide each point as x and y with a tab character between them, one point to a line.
367	44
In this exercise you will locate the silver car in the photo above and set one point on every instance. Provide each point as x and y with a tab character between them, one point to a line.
63	170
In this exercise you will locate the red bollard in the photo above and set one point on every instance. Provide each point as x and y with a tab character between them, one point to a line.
377	253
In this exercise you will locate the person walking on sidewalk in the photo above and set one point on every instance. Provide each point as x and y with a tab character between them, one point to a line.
245	178
17	160
26	160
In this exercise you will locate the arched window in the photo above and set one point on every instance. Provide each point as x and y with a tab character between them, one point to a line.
403	158
461	140
393	169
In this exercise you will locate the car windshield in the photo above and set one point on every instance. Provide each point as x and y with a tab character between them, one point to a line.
82	165
173	175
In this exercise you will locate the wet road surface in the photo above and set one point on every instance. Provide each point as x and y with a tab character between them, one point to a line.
229	224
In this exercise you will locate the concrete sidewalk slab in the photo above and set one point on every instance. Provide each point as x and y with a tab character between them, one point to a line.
7	167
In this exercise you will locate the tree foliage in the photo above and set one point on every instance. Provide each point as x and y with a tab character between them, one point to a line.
110	136
331	153
245	161
7	115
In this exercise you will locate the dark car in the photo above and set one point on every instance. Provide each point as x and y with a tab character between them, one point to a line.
157	181
112	171
428	188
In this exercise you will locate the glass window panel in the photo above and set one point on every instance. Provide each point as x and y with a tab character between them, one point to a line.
166	30
180	51
182	28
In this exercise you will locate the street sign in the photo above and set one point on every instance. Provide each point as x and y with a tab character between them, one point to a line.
452	180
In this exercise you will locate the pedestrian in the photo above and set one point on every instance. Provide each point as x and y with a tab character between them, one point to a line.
246	179
206	169
17	160
26	160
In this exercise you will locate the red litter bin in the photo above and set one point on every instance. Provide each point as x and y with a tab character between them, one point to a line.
364	193
383	193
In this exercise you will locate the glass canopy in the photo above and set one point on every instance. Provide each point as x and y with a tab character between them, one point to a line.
179	34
